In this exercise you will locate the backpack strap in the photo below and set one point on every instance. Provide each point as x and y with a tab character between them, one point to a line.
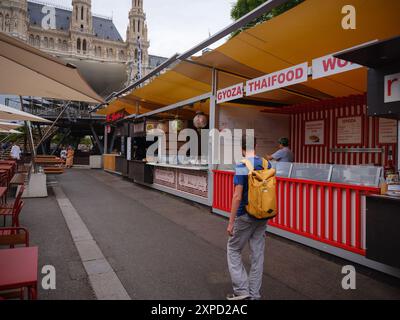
265	164
248	165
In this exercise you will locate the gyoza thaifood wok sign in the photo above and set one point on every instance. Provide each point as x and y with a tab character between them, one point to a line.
321	67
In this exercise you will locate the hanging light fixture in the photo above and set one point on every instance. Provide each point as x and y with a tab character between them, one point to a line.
177	125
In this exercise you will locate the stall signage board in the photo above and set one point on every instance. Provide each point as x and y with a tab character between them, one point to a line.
349	131
387	131
115	116
279	79
329	65
392	88
193	182
230	93
384	91
315	133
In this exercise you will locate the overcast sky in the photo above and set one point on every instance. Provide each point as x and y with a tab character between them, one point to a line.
174	25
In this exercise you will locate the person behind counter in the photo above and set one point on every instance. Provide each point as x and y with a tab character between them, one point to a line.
284	154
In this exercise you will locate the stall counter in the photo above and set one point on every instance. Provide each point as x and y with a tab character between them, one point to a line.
313	206
383	225
109	162
189	182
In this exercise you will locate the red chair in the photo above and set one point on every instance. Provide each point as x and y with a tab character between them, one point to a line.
11	237
14	236
13	210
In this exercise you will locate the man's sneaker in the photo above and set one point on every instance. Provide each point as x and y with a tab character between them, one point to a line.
234	297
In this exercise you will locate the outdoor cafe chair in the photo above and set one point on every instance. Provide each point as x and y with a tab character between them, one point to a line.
11	237
13	210
13	213
14	236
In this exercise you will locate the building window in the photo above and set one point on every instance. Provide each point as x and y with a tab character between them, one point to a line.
84	46
76	10
110	53
138	25
31	40
37	41
7	23
81	13
1	21
122	55
78	45
65	45
46	42
59	44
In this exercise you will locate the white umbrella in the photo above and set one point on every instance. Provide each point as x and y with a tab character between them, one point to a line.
12	131
7	113
9	126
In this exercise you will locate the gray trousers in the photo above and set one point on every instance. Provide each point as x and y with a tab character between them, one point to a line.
252	231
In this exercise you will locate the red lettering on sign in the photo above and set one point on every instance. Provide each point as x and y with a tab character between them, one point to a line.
390	85
115	116
332	63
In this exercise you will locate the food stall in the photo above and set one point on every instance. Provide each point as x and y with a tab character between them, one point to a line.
285	87
383	218
322	195
166	170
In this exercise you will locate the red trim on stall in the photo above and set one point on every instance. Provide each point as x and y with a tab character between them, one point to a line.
319	202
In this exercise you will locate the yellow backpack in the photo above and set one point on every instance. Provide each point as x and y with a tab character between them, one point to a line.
262	191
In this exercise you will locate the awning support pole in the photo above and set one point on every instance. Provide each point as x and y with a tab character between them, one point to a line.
212	125
44	151
96	137
61	141
53	124
29	127
398	146
105	151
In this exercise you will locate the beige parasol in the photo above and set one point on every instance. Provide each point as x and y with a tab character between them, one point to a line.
27	71
11	114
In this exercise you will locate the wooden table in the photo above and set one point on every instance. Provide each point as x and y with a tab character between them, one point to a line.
18	179
48	161
19	269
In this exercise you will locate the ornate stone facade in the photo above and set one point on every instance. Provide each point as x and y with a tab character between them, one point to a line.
78	34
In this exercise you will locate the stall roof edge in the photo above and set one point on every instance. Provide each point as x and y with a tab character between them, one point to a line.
374	55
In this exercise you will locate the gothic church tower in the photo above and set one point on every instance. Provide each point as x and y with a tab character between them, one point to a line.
14	18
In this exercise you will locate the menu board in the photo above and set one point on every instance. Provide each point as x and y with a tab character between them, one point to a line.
349	131
387	131
314	133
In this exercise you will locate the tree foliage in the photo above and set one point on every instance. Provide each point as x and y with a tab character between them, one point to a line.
242	7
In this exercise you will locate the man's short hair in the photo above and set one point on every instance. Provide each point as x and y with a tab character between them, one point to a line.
284	142
249	142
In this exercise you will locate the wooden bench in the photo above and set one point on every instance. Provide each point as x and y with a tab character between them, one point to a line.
18	179
53	170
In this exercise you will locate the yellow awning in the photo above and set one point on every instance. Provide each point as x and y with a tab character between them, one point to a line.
311	30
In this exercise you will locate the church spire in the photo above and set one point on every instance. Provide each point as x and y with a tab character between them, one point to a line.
82	16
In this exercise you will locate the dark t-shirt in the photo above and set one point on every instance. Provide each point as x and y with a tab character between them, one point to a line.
242	179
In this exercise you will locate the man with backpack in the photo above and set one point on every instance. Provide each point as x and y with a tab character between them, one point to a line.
254	202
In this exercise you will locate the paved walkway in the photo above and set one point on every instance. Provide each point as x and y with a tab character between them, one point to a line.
161	247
